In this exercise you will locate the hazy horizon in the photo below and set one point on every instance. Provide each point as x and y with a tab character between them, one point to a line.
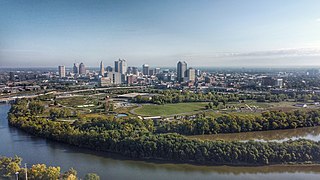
211	33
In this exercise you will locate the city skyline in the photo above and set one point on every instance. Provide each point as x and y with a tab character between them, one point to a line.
207	33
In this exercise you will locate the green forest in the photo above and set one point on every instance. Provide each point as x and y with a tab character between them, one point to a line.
233	123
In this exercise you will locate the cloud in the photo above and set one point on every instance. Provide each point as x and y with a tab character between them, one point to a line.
276	53
290	52
318	20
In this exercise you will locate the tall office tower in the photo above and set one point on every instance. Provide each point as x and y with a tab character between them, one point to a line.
115	77
62	71
117	66
82	69
101	69
181	71
157	70
75	68
145	69
11	76
279	83
135	70
191	74
151	72
123	66
120	66
198	72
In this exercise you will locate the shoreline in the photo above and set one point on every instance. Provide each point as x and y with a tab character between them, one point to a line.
164	147
119	156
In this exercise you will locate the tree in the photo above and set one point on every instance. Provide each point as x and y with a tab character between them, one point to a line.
215	103
71	174
41	172
12	168
54	113
36	107
9	166
91	176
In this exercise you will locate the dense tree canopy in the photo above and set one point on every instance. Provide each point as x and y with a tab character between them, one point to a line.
231	123
175	96
10	166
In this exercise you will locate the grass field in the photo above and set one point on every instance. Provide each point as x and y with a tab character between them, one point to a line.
169	109
73	101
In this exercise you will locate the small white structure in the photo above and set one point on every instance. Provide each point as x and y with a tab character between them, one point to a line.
301	105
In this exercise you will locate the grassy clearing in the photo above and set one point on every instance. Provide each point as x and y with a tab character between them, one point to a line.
220	113
251	103
284	106
73	101
169	109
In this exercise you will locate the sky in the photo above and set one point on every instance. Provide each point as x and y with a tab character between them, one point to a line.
210	33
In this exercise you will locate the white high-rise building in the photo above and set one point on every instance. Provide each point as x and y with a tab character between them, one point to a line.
82	69
181	71
115	77
145	69
279	83
62	71
120	66
191	74
101	69
123	66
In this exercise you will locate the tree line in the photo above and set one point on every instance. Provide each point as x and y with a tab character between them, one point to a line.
11	167
232	123
174	96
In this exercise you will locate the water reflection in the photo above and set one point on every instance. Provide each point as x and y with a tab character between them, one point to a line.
311	133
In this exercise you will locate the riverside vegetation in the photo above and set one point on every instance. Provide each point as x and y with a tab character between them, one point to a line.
145	139
10	167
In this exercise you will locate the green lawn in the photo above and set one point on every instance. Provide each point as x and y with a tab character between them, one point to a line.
72	101
251	103
169	109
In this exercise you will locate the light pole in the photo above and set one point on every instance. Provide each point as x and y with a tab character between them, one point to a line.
17	175
25	166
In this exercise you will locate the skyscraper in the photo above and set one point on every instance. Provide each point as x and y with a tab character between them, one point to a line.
191	73
115	77
124	66
75	68
101	69
181	71
145	69
82	69
157	70
62	71
121	66
117	66
11	76
135	70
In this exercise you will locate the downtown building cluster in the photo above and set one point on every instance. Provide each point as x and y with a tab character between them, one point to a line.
121	73
78	76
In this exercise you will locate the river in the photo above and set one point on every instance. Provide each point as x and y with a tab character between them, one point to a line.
110	166
310	133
